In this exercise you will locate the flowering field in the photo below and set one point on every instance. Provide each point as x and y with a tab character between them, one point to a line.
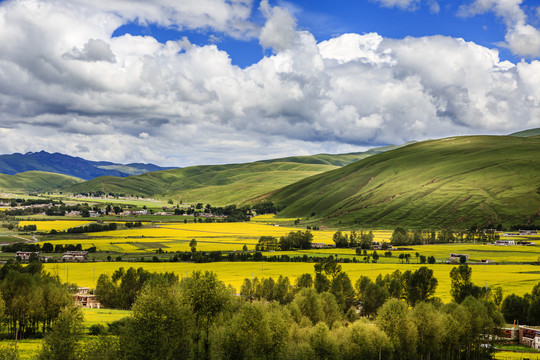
517	279
58	225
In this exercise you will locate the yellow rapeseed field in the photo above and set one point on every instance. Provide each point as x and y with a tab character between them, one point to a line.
58	225
517	279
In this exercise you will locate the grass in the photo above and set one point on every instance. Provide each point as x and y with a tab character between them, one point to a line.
35	181
459	182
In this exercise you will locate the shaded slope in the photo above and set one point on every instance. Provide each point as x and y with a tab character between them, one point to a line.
37	181
450	182
527	133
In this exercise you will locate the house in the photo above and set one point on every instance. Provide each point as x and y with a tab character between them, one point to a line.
528	232
529	336
504	242
25	255
458	256
85	299
75	256
321	246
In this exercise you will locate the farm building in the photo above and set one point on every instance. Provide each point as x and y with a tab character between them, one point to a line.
72	256
529	336
458	256
528	232
85	299
504	242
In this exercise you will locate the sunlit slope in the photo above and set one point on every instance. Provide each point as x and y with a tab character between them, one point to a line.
214	184
224	184
35	181
457	181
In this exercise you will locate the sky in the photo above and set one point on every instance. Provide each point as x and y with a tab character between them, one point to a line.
192	82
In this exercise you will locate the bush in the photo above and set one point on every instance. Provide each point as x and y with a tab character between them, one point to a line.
97	329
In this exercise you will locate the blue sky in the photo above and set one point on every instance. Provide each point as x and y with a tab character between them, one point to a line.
190	82
326	19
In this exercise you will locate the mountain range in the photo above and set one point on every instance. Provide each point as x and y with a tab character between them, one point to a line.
68	165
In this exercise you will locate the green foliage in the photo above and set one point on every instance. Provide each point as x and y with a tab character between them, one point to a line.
296	240
62	342
421	285
120	290
8	352
161	327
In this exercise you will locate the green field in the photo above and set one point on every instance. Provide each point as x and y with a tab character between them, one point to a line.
454	182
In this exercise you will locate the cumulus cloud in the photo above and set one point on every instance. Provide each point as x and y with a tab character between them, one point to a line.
521	38
132	98
93	50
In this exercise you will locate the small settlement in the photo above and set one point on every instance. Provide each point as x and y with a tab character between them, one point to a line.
526	335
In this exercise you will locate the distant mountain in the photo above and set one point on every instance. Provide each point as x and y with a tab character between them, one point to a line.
223	184
69	165
455	182
35	181
527	133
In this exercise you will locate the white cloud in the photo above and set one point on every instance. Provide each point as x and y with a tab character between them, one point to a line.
132	99
521	38
402	4
94	50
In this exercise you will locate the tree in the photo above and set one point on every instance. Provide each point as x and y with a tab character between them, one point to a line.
399	237
421	285
161	326
431	260
304	281
429	323
247	335
193	245
208	298
462	259
461	285
62	342
341	240
515	308
405	336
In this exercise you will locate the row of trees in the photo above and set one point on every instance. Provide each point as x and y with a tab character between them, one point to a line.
403	237
199	318
294	240
120	290
353	240
45	247
31	300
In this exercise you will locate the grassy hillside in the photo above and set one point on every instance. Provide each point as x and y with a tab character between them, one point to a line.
214	184
454	182
37	181
223	184
527	133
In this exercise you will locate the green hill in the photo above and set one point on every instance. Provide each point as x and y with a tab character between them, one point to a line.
222	184
35	181
214	184
454	182
527	133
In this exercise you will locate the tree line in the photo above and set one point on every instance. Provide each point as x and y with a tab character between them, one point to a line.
198	317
